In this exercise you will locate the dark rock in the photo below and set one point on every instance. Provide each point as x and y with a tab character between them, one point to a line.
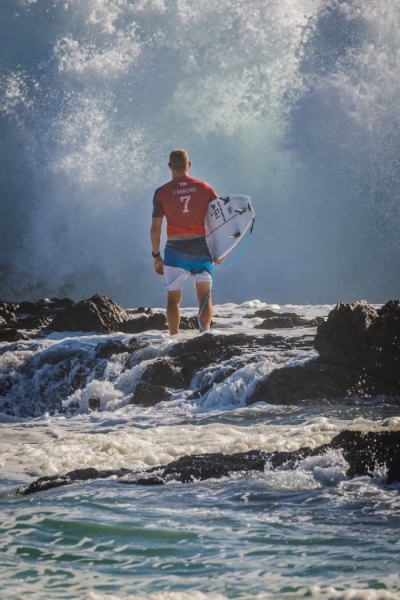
266	313
34	309
162	372
189	323
135	344
288	322
149	394
156	321
109	348
32	323
365	453
95	314
7	311
44	307
317	380
384	341
57	303
94	403
194	395
219	377
203	350
359	336
54	481
275	320
10	334
68	371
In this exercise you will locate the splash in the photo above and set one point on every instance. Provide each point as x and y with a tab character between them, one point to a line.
292	102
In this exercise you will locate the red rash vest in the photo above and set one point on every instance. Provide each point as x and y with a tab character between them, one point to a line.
184	202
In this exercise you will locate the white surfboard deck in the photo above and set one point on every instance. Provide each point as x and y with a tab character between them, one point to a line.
227	220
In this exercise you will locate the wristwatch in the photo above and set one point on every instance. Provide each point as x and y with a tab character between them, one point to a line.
155	255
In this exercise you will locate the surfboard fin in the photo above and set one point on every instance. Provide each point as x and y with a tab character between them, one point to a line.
235	235
240	211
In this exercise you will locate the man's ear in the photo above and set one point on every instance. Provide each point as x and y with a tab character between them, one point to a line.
169	166
190	164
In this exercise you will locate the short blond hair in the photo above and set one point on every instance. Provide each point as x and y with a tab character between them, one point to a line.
179	159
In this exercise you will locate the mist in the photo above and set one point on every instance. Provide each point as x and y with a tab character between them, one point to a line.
292	102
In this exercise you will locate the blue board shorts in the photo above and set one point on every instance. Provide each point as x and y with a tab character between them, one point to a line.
186	258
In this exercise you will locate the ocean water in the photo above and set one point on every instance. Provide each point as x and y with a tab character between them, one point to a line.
310	532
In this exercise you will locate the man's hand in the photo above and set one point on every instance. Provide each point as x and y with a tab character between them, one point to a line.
159	265
218	261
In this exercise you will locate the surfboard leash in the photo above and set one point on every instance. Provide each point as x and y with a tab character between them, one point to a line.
203	329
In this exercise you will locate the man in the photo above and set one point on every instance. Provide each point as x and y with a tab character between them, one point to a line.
184	202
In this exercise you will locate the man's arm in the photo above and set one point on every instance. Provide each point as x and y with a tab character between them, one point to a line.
155	236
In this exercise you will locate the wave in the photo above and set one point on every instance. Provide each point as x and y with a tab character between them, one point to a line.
293	103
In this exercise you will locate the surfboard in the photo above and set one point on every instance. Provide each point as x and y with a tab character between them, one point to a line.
226	222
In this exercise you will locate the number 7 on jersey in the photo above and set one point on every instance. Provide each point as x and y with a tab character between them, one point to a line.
185	199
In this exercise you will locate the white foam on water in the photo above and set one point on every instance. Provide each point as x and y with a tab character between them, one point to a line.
191	595
316	592
27	452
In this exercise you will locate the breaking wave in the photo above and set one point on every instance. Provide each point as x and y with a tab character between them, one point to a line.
292	102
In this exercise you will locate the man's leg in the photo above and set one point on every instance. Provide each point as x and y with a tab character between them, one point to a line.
173	310
205	305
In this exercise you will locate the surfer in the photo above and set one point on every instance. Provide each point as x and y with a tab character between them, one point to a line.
183	201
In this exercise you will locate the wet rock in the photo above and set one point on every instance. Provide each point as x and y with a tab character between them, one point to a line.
216	377
34	309
44	307
365	453
135	344
11	334
58	303
359	336
288	322
7	311
32	323
47	378
156	321
202	351
94	403
189	323
149	394
184	360
162	372
317	380
78	475
98	313
266	313
109	348
369	453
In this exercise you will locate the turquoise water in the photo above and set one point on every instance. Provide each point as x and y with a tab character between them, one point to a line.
286	533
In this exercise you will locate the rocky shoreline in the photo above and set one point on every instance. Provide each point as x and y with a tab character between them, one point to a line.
358	350
358	357
365	454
